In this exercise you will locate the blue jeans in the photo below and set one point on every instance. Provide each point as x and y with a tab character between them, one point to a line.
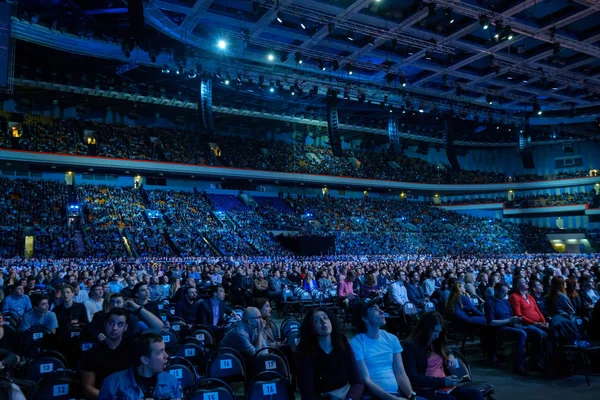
520	335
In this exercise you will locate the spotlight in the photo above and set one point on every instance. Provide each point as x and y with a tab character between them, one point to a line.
279	19
349	69
537	109
321	66
403	81
508	33
299	58
221	44
166	70
303	24
351	35
428	55
421	110
448	14
226	81
484	21
272	89
270	57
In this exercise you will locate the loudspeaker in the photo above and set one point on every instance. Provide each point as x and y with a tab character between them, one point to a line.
527	159
332	130
449	146
135	11
452	159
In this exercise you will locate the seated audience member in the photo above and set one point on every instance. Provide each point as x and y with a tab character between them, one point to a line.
415	291
39	315
587	292
157	291
346	288
80	295
55	299
309	282
18	302
115	286
141	297
7	360
560	308
246	336
326	364
9	340
536	289
275	286
188	307
111	355
524	306
505	324
31	287
146	378
572	291
464	315
397	291
128	291
212	312
264	307
378	355
70	312
261	286
181	291
426	361
95	302
369	288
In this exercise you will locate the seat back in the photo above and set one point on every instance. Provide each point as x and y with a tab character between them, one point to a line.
289	324
204	335
34	339
270	359
184	371
269	386
287	295
461	368
46	363
211	389
178	325
170	338
275	330
429	306
58	385
409	309
475	302
192	350
226	364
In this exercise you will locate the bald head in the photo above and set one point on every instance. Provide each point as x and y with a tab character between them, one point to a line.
251	313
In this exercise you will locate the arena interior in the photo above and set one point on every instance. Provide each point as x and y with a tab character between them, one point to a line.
299	199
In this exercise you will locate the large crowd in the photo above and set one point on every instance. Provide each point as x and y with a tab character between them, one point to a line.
68	136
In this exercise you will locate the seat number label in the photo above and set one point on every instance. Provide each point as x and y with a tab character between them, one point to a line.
59	390
270	364
269	389
226	364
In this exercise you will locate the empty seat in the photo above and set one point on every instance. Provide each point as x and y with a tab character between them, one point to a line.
211	389
226	364
271	386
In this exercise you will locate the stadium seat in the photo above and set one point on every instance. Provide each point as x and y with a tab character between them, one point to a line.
289	324
182	369
204	334
269	359
462	369
178	325
194	351
34	340
226	364
429	306
211	389
170	338
269	385
47	362
58	385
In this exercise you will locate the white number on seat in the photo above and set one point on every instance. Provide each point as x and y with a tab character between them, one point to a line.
86	346
211	396
200	337
270	364
166	339
177	373
38	335
59	390
176	327
75	334
226	364
44	368
269	389
190	352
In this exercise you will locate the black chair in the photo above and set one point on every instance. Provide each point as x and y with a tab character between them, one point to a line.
269	359
270	385
11	318
58	385
429	306
46	363
69	341
178	325
34	340
204	334
410	311
463	369
226	364
211	389
194	351
182	369
170	338
289	324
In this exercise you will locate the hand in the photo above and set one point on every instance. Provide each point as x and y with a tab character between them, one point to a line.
101	337
451	361
131	306
74	321
515	320
451	380
261	325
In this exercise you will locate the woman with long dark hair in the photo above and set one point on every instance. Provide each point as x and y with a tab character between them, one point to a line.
427	362
557	301
461	309
327	368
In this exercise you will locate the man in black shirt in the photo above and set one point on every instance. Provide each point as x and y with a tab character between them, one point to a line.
141	296
113	354
70	312
187	308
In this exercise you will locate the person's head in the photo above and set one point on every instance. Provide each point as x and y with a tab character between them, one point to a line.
191	294
413	277
368	315
586	283
116	323
469	277
264	307
116	300
30	282
572	286
218	293
370	280
500	290
521	284
141	292
19	290
536	288
115	278
68	292
429	329
557	285
319	322
97	291
150	353
1	319
401	276
457	290
252	316
350	276
190	282
40	303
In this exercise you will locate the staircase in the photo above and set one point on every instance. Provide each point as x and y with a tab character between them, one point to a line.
210	244
248	201
170	243
225	220
127	242
80	242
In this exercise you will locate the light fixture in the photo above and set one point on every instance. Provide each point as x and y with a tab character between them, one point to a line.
489	99
484	21
351	35
303	24
349	69
272	89
403	81
428	55
508	33
279	19
270	57
421	110
299	58
226	81
221	44
321	65
499	29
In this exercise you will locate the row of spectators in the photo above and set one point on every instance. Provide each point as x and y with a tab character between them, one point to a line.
139	143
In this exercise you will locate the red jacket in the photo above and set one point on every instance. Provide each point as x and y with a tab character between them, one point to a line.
529	311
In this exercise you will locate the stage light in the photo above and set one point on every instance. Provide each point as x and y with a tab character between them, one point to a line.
272	89
508	33
428	55
421	110
349	69
299	58
484	21
303	24
221	44
489	99
279	19
321	66
403	81
270	57
351	35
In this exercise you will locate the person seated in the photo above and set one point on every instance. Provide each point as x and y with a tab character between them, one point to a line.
379	355
111	355
536	289
264	307
369	288
461	310
146	378
275	286
261	286
415	291
188	307
141	297
70	312
39	314
589	295
346	288
9	340
95	303
18	302
327	366
246	336
565	331
212	312
397	291
505	324
426	361
572	291
309	282
524	306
